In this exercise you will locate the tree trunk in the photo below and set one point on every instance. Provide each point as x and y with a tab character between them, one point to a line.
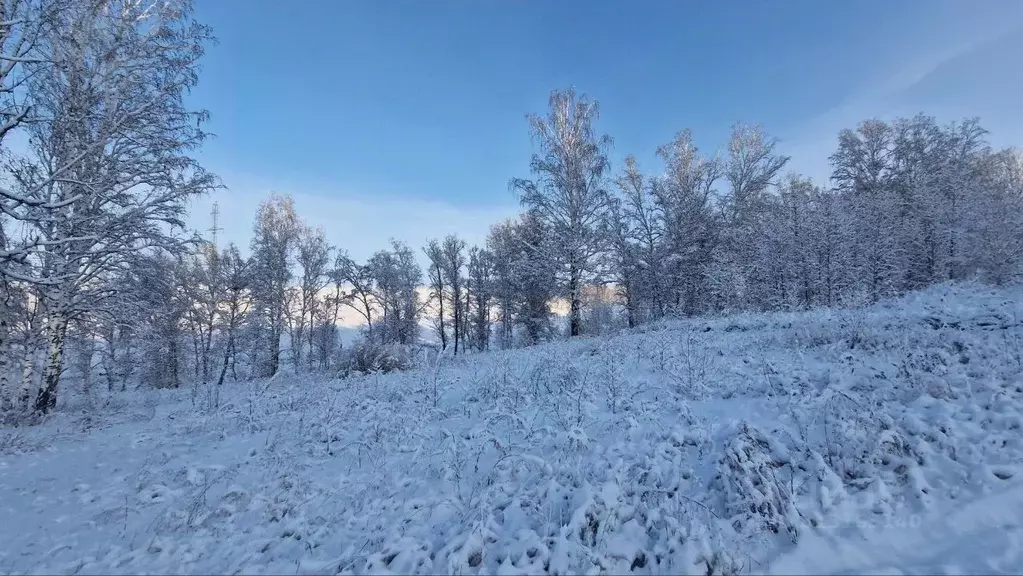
6	393
309	340
630	308
6	390
456	297
507	330
334	336
207	346
172	352
440	320
275	349
227	352
107	356
88	349
466	305
575	312
47	398
28	371
196	330
234	362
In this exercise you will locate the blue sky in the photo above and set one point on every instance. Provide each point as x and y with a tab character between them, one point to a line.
407	118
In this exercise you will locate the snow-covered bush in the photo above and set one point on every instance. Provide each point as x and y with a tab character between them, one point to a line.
757	481
368	357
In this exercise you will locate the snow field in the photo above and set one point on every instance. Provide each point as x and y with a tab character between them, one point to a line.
881	439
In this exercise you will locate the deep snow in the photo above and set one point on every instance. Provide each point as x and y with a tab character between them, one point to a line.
849	441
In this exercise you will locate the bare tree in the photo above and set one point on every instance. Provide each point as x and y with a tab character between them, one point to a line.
453	263
569	191
236	275
313	257
503	248
683	199
276	235
25	29
361	297
397	277
750	169
479	287
108	171
438	292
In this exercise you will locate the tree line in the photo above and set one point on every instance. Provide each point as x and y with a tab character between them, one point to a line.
99	283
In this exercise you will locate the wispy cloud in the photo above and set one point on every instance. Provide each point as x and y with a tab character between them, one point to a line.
813	141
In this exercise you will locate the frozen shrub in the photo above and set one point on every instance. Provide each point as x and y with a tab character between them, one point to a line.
366	357
690	365
754	475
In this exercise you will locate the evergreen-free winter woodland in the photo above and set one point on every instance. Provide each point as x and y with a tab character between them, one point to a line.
101	287
708	365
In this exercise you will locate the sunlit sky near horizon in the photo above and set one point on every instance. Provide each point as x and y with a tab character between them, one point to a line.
406	118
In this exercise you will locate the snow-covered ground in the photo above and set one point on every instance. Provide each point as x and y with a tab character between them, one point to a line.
880	440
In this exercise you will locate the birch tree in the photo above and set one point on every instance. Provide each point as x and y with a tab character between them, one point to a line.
236	276
683	211
479	284
750	169
569	191
312	257
109	171
397	277
502	247
26	27
275	238
438	287
454	262
360	292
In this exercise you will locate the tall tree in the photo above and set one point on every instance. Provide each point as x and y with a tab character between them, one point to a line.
750	168
108	170
453	263
361	297
203	285
994	234
275	239
682	197
479	285
161	306
536	277
568	193
635	241
397	276
863	170
313	257
236	276
503	247
438	287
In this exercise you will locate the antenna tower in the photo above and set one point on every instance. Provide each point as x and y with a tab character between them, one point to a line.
216	220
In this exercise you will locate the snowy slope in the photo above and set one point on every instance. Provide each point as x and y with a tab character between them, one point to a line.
880	440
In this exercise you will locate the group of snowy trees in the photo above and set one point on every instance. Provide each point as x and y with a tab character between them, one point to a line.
94	175
912	203
98	283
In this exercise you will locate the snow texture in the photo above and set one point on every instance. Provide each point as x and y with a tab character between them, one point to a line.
880	440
